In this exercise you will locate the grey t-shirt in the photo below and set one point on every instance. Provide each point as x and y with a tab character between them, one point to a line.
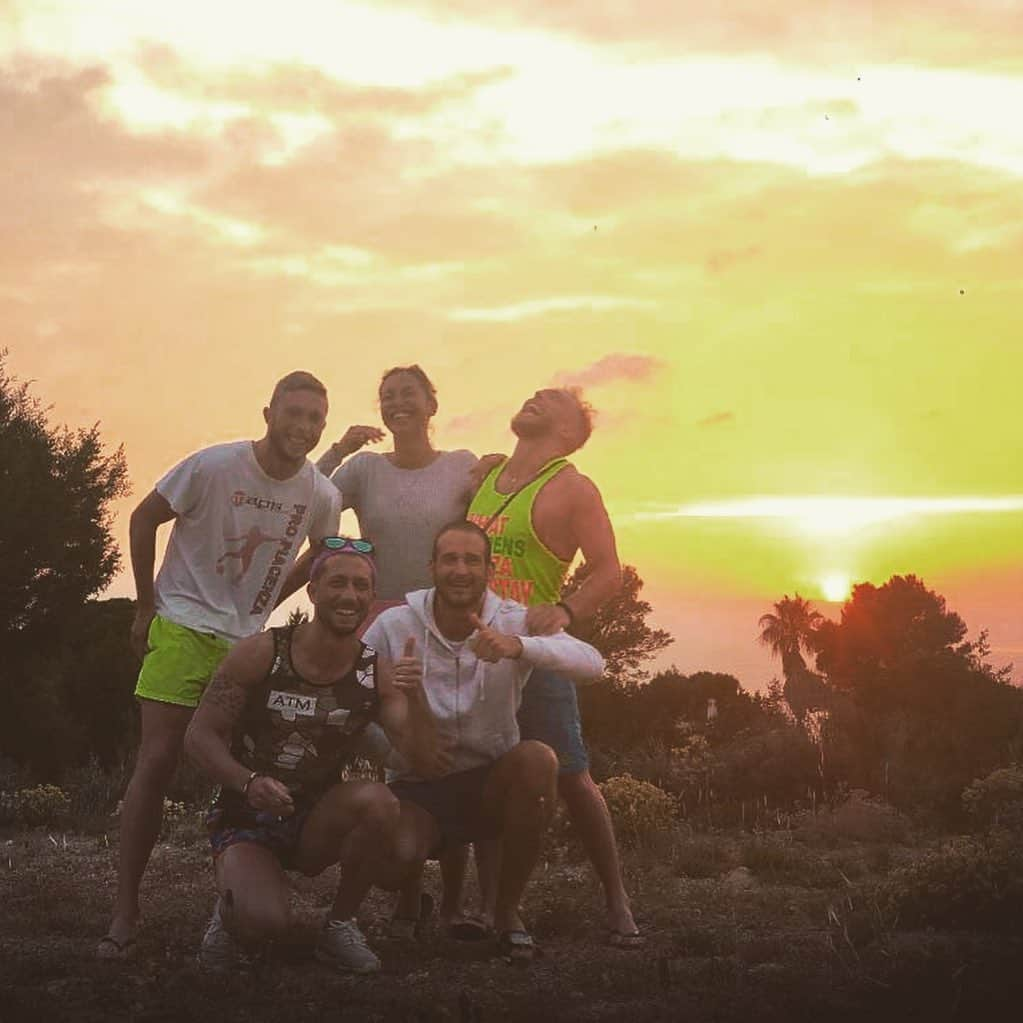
402	510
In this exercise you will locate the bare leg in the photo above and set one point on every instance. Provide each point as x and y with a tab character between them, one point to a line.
453	862
523	785
589	814
402	864
254	893
353	824
163	731
488	868
401	868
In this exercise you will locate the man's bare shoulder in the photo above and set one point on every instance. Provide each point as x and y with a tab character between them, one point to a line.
579	488
249	659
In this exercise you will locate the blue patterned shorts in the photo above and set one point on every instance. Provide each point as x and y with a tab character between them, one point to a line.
232	824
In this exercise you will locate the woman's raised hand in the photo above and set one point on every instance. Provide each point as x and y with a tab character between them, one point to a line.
356	437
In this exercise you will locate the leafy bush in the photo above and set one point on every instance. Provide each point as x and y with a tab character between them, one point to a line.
640	810
963	884
997	800
43	804
680	770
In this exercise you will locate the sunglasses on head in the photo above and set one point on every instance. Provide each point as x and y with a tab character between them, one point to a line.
347	543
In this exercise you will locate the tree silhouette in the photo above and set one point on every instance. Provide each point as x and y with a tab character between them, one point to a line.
789	631
889	627
57	550
56	546
619	629
918	713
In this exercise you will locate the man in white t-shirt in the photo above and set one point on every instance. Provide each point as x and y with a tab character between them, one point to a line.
241	512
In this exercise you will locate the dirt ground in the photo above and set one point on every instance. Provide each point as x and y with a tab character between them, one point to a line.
735	946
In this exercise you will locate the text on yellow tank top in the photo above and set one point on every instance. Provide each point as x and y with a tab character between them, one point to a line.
524	568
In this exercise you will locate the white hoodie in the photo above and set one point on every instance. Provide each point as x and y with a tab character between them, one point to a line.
475	702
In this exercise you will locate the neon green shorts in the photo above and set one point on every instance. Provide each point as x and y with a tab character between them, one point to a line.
179	664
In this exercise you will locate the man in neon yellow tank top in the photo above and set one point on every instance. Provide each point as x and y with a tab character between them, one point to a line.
540	512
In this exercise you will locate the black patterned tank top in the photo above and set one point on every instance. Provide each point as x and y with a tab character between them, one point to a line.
301	732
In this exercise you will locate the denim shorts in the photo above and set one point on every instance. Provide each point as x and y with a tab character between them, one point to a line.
550	713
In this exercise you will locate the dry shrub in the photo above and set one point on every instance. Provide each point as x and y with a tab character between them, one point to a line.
775	857
640	811
95	792
965	884
860	818
703	856
41	804
996	801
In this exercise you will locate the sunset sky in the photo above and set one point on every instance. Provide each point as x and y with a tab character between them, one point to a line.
779	244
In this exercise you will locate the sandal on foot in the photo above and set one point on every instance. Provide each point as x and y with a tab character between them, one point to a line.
625	939
119	951
518	946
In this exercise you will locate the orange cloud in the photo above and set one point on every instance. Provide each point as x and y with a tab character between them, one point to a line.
718	419
299	88
611	368
853	31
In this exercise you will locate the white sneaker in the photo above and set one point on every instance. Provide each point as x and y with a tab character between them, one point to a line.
219	952
344	946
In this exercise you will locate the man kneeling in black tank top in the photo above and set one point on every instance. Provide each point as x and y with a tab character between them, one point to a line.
275	728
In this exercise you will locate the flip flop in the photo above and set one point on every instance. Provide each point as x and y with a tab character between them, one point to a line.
469	929
623	939
518	946
118	951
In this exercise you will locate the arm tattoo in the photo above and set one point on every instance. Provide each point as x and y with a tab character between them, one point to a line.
226	695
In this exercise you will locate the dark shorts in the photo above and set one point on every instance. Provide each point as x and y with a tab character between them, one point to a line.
550	713
230	824
456	803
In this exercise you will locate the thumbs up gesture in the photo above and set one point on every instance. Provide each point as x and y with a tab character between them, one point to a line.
408	669
491	645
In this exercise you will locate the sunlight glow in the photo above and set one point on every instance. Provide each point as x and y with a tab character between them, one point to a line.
231	229
542	306
836	587
837	516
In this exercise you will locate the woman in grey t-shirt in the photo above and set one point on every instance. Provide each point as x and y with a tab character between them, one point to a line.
402	497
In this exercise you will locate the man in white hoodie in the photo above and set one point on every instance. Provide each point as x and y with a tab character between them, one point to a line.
477	656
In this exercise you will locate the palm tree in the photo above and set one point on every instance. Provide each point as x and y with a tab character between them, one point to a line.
788	631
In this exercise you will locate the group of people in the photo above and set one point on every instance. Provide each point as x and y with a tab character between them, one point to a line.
440	643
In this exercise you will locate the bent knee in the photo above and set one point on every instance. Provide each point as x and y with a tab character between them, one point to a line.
377	806
537	760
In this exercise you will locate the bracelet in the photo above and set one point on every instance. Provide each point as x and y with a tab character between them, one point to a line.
248	781
571	614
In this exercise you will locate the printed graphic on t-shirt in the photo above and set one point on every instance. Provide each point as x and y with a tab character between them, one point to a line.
306	730
304	727
290	705
239	551
505	550
250	543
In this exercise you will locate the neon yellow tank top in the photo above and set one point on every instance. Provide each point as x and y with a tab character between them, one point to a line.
524	569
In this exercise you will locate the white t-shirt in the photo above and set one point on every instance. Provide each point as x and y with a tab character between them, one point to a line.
402	510
236	534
